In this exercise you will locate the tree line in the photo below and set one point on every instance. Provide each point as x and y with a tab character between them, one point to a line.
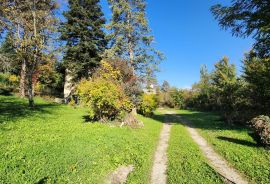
239	98
42	54
236	98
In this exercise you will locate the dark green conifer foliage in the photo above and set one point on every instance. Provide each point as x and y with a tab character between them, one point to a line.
256	71
224	81
84	36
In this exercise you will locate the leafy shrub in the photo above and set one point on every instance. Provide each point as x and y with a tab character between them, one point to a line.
8	83
4	79
261	130
105	98
148	104
104	94
130	81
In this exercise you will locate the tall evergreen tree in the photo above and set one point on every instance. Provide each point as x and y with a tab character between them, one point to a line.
204	90
224	81
256	71
84	36
130	37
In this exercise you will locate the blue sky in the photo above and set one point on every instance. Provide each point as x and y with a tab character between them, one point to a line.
186	32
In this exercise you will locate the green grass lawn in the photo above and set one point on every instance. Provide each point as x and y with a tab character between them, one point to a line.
53	144
234	144
186	163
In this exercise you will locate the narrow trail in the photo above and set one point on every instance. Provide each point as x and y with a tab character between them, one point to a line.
158	175
215	160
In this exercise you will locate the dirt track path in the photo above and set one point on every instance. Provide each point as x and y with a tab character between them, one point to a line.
220	165
215	160
158	175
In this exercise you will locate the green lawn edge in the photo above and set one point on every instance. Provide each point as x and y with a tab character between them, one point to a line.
234	144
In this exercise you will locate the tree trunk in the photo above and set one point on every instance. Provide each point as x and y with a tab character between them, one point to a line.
68	86
22	80
30	90
130	43
134	111
131	53
32	66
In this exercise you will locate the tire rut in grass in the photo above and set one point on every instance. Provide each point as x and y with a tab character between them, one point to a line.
158	175
215	160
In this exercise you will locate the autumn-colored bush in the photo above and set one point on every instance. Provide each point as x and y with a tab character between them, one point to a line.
261	130
104	95
148	104
8	83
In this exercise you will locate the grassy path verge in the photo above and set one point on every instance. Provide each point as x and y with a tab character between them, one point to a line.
234	144
53	144
186	164
218	163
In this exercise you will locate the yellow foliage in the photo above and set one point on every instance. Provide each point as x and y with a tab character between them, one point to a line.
105	98
108	72
37	87
13	79
148	104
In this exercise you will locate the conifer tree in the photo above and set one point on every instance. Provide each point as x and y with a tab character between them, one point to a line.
130	37
224	81
84	36
256	72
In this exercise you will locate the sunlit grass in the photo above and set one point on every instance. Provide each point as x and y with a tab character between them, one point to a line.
186	163
234	144
52	143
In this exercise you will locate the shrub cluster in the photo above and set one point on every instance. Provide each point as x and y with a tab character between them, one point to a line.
148	104
104	94
8	83
261	130
8	80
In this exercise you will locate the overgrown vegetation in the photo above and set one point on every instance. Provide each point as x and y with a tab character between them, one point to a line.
148	104
53	144
234	143
104	94
34	39
107	72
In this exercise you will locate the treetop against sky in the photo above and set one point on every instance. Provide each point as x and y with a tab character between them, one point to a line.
186	32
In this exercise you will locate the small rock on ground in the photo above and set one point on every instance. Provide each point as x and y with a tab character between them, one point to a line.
120	175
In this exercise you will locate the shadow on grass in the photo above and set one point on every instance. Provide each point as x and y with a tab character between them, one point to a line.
238	141
197	119
208	121
13	108
88	119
